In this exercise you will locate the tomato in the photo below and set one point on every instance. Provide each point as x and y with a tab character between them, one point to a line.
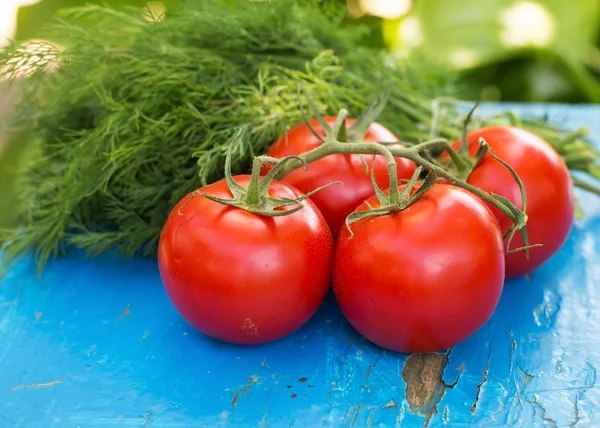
423	279
336	202
242	277
548	185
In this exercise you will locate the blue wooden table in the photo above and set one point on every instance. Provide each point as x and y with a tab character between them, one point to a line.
96	343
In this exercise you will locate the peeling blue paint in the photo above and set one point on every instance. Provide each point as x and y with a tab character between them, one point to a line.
97	343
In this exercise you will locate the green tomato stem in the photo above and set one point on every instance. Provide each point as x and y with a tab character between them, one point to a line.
339	125
335	147
586	186
412	153
442	143
252	193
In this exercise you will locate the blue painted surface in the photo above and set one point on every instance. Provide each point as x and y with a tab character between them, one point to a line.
96	343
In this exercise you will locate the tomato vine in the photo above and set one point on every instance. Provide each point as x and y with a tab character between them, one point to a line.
256	199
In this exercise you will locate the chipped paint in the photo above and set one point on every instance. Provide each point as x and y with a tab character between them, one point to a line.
91	351
125	313
424	384
149	419
368	372
390	404
37	385
241	392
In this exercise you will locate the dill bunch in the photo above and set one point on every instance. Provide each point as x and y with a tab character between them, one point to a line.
135	112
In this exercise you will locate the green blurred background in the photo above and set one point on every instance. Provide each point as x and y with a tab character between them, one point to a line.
508	50
501	50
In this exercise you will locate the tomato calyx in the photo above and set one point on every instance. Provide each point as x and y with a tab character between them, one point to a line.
397	200
462	163
255	198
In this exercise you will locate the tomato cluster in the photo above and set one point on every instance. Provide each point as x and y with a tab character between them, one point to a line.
421	279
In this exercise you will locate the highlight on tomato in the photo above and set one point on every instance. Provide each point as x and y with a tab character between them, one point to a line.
422	279
238	269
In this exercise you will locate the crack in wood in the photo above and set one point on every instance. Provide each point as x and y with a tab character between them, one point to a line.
537	405
340	361
445	416
575	411
480	385
528	376
355	419
370	418
590	378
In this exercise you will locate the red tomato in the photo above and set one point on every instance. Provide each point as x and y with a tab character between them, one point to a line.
550	201
423	279
336	202
241	277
